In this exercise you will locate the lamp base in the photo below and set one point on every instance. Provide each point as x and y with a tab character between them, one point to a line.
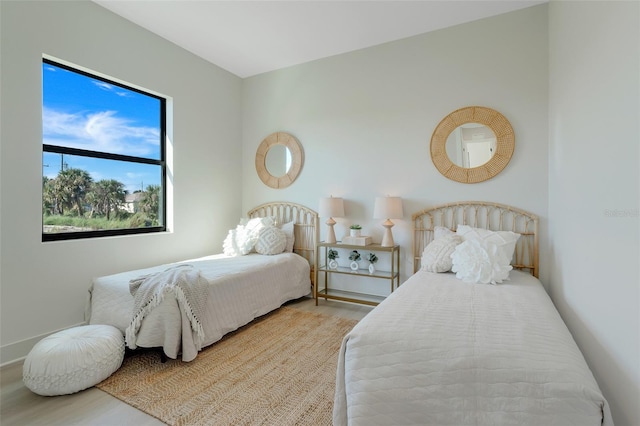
387	239
331	235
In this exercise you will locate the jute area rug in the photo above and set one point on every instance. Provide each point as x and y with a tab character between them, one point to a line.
278	370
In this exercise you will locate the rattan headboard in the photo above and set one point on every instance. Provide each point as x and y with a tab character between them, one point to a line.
305	229
496	217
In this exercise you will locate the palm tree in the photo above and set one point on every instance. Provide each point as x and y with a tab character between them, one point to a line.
150	202
72	185
106	195
48	196
61	195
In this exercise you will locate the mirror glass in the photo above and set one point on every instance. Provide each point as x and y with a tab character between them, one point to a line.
471	145
278	160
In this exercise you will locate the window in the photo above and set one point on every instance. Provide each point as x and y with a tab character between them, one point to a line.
103	156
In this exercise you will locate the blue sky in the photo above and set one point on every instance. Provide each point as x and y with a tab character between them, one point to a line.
87	113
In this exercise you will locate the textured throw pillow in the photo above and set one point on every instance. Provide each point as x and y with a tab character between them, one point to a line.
287	228
506	240
253	227
271	240
480	261
436	256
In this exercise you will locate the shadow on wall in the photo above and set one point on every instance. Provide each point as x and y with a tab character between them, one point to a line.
596	350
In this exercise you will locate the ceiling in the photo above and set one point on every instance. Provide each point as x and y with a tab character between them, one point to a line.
253	37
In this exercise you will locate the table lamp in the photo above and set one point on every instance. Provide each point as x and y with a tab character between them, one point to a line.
388	208
331	207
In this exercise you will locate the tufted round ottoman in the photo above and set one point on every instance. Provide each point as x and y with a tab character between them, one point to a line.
74	359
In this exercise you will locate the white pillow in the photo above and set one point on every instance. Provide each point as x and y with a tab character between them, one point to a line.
288	230
271	240
436	256
506	240
480	261
441	232
267	220
253	227
240	241
236	243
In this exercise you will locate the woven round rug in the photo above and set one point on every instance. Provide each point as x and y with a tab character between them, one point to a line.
279	369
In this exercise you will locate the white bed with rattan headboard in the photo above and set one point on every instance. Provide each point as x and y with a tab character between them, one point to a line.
305	228
233	290
492	216
443	351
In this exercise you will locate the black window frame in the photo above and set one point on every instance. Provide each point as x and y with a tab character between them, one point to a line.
61	236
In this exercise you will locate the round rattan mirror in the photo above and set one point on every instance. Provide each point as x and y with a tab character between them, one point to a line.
501	149
283	145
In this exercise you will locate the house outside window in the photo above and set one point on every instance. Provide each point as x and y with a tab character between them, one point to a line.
103	156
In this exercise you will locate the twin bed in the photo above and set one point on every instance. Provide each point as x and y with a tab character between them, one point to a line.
237	289
437	351
441	351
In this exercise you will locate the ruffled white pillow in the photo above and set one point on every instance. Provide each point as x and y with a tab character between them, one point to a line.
506	240
235	244
230	245
480	261
271	240
436	256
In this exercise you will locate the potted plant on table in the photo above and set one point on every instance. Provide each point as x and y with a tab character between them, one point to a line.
372	258
355	230
354	257
333	255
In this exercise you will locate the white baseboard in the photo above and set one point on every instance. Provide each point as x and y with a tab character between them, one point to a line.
18	351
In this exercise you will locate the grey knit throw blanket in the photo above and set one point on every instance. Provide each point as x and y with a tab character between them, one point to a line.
183	282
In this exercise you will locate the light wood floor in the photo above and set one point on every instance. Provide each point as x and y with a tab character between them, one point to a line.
21	407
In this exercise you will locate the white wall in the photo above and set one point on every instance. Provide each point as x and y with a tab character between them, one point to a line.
594	188
365	121
44	285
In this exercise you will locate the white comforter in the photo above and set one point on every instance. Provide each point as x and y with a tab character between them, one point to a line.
240	290
439	351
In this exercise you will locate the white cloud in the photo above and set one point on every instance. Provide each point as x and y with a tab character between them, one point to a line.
99	131
110	88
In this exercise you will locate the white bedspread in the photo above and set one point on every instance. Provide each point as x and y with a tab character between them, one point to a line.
240	290
439	351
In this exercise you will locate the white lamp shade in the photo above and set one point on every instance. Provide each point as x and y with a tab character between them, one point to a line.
331	207
388	208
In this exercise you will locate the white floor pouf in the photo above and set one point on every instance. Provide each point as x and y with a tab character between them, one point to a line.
72	360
